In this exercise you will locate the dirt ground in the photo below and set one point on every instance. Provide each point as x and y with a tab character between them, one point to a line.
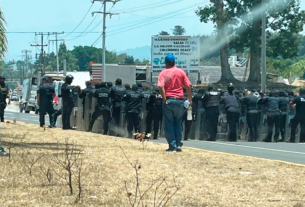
37	173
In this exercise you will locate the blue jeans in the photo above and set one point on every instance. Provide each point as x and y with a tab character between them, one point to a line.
173	114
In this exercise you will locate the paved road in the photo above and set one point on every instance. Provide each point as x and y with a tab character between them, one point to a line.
278	151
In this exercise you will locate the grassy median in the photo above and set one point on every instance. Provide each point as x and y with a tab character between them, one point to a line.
51	167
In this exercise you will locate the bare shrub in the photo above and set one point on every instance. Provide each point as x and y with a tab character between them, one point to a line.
159	191
67	160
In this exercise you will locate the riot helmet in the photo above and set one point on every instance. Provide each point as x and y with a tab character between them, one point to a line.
69	79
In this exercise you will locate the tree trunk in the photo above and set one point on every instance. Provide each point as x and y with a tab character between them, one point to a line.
255	53
226	73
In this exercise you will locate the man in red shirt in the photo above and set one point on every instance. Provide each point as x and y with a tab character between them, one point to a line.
171	82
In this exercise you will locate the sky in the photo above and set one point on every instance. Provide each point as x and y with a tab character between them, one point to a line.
133	27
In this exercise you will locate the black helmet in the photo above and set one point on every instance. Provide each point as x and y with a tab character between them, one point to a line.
98	85
230	86
103	85
45	79
210	87
69	79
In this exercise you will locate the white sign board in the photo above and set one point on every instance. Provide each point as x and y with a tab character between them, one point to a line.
185	49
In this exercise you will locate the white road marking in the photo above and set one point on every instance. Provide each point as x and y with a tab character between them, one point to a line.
259	148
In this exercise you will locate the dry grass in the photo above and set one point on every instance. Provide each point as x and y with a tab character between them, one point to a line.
205	178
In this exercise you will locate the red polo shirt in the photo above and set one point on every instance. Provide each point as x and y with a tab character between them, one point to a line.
173	79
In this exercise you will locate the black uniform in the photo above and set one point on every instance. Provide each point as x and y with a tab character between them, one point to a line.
103	108
250	103
299	118
273	117
154	107
68	104
117	94
233	111
86	92
199	111
211	103
46	92
134	106
3	104
283	102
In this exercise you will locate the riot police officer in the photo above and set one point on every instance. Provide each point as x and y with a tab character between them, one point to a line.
154	113
299	103
128	88
250	103
232	110
117	93
211	103
5	94
134	106
45	95
283	101
273	115
68	101
84	93
102	94
140	89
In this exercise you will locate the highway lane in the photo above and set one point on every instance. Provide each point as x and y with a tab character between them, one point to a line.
288	152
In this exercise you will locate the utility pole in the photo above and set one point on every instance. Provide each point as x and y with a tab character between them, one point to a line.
104	31
27	57
57	40
42	45
263	58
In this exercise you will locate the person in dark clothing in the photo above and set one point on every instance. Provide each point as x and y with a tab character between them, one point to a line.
154	108
299	104
5	94
250	103
233	111
211	103
109	85
102	94
283	102
134	105
86	92
140	90
128	88
55	115
199	110
273	116
45	95
117	93
68	101
230	89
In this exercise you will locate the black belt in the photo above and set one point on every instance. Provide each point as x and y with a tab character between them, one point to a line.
175	98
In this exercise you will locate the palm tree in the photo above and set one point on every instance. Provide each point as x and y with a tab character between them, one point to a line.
3	40
178	30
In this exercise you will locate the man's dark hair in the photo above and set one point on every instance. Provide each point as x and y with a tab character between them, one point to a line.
135	87
282	93
118	81
109	84
272	93
127	86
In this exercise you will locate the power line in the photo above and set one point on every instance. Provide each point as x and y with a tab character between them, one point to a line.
87	27
80	22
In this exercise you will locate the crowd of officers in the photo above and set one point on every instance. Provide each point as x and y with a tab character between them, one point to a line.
208	103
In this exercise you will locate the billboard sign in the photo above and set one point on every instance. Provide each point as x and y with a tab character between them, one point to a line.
186	50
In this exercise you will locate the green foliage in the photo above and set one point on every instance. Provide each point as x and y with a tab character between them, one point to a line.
178	30
80	57
164	33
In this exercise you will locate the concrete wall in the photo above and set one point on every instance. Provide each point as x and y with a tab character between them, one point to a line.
126	73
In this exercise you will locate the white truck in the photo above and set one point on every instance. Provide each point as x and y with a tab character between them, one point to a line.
29	93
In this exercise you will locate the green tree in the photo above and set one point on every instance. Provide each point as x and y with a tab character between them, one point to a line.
129	60
164	33
218	14
178	30
283	25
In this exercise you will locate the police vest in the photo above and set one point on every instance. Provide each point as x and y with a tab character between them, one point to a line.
214	99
